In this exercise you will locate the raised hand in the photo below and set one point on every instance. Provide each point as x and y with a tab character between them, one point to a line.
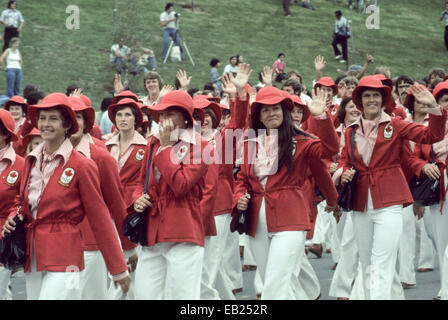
319	104
242	76
319	63
184	80
76	93
227	85
165	89
266	76
423	96
118	85
369	58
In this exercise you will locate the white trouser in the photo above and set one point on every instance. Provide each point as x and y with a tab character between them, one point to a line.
213	257
277	254
232	261
439	224
170	271
49	285
341	284
5	276
306	284
326	231
377	234
249	260
115	292
93	279
444	271
406	251
424	245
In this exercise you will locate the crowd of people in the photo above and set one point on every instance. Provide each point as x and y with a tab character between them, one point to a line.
194	161
295	150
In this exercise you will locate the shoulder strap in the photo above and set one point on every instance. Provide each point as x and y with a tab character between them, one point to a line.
352	146
433	155
148	168
250	162
24	187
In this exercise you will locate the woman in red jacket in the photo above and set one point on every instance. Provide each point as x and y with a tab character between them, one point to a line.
93	279
170	265
17	107
63	189
127	147
381	186
436	220
11	174
279	158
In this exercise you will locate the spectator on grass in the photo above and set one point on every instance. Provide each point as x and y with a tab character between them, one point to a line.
286	7
436	73
340	36
13	21
278	68
213	88
119	55
215	63
168	19
232	67
142	59
445	18
13	68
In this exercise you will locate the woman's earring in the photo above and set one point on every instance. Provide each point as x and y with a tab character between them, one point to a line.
186	121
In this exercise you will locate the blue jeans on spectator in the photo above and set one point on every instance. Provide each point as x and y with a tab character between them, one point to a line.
119	64
167	33
13	81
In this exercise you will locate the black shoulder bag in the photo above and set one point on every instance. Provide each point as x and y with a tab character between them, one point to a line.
135	224
240	221
13	244
425	191
346	192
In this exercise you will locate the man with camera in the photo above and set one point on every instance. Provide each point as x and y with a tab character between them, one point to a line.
168	20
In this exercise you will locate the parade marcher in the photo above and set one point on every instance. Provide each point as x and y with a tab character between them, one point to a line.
436	220
170	265
11	172
214	249
345	272
93	280
277	228
17	107
54	245
32	140
127	147
381	187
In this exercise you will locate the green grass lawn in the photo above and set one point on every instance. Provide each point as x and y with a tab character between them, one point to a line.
409	41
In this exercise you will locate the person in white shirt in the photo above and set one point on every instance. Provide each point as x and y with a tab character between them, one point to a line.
168	20
13	68
119	54
340	36
232	67
13	21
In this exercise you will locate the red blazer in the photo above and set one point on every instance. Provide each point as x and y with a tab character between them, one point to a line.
238	114
287	207
384	176
55	232
175	215
208	200
310	125
113	197
130	172
96	132
11	178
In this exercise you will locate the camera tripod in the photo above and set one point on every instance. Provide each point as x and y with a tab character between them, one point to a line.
182	44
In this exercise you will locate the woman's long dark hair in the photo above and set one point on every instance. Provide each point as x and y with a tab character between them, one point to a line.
286	132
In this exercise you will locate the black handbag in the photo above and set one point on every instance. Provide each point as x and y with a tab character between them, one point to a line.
346	192
135	224
425	191
241	220
13	244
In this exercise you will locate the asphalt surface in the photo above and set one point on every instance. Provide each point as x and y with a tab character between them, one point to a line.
428	283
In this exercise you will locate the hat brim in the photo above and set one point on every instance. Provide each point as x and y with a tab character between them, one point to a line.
111	111
389	103
34	109
12	135
271	101
154	110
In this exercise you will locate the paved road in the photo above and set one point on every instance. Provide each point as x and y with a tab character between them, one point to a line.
428	283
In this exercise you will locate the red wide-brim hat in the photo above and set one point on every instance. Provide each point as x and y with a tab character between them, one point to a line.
78	105
372	82
176	98
16	100
125	102
8	122
270	96
54	100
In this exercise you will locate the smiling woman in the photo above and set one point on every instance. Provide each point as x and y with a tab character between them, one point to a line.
54	244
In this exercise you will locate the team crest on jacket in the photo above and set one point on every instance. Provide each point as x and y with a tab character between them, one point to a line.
66	177
12	178
388	131
182	152
140	155
333	111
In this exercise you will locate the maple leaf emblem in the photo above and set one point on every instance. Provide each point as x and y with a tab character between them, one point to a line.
141	152
68	173
13	174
